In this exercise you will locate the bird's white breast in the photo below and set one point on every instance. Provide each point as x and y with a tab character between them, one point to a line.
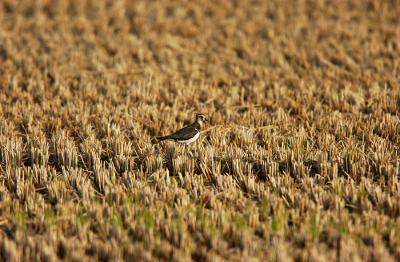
191	140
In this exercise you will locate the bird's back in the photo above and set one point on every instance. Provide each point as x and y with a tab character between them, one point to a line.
185	133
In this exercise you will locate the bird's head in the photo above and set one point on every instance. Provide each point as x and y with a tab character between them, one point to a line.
200	118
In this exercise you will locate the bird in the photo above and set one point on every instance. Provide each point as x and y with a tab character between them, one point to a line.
189	133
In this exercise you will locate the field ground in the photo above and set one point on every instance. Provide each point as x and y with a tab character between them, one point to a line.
300	160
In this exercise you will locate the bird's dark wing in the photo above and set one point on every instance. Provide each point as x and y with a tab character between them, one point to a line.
185	133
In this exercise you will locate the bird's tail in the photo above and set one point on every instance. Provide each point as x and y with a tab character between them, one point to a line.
161	138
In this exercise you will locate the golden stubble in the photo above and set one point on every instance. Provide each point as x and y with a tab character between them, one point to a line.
300	159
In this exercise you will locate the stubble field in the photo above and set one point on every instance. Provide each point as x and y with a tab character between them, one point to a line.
299	162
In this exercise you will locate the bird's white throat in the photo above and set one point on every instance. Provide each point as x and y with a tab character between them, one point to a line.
200	122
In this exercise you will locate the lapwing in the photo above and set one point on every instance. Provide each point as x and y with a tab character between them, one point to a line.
189	133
